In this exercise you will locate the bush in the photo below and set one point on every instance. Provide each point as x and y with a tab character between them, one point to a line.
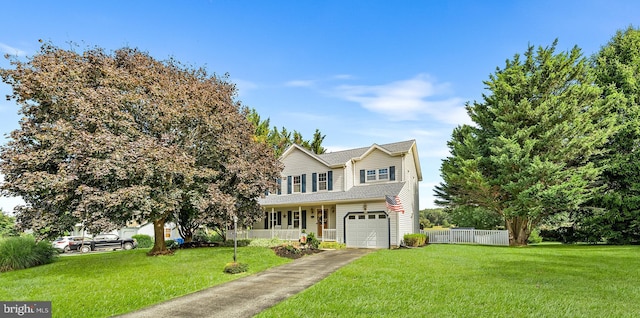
415	240
312	241
534	237
236	268
171	244
241	243
24	252
273	242
144	240
332	245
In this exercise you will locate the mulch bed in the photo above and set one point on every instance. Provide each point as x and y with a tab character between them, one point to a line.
283	251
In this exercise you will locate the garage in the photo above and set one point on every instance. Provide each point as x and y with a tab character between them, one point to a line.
370	230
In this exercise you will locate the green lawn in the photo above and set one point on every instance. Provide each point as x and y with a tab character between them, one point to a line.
106	284
478	281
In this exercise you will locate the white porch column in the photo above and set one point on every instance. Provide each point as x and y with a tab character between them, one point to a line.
323	220
299	221
271	223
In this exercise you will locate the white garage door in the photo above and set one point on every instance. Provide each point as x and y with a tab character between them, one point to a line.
369	230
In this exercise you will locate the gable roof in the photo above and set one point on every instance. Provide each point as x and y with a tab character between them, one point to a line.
338	159
365	192
342	157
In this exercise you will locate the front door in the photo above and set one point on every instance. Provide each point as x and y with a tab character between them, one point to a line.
322	221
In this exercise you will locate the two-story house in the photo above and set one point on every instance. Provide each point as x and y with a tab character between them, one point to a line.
364	197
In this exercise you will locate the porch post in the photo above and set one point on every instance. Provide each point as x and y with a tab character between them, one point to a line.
271	221
299	221
323	220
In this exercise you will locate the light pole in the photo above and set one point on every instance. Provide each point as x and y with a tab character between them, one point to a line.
235	237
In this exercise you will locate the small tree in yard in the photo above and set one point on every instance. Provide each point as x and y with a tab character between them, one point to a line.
111	138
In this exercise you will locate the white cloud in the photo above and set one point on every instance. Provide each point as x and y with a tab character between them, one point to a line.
300	83
343	77
244	86
11	50
410	99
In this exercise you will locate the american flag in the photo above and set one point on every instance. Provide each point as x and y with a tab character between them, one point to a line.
394	204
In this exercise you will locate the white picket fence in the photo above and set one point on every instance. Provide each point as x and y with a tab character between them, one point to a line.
484	237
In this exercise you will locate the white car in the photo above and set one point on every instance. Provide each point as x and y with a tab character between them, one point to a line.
62	243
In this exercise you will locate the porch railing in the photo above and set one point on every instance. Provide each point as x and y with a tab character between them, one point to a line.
328	235
283	234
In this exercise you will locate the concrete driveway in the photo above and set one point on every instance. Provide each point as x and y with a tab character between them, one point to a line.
250	295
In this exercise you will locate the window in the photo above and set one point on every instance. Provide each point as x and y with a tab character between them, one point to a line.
322	181
382	216
383	174
360	217
297	184
296	219
371	175
372	216
352	217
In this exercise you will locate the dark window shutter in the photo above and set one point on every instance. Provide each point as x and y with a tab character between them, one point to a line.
279	186
329	180
289	218
304	219
314	182
362	176
304	183
392	173
266	220
279	218
289	185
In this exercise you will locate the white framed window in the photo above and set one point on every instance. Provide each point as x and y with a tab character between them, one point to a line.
297	184
371	175
322	181
296	219
383	174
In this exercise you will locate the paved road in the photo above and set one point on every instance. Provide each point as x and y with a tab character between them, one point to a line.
250	295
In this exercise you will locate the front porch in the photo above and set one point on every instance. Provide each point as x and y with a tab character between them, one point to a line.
289	222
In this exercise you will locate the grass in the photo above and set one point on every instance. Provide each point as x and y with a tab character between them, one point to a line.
478	281
106	284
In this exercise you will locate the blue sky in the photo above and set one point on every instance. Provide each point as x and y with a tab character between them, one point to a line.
362	72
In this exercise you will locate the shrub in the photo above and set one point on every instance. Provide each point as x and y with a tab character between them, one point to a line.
236	268
273	242
241	243
24	252
415	239
144	240
332	245
312	241
172	244
534	237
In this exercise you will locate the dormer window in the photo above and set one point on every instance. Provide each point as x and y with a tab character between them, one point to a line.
379	174
371	175
383	174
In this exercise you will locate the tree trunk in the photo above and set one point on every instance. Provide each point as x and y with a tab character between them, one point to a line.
159	246
519	231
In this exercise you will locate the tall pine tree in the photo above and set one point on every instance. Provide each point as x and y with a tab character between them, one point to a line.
528	156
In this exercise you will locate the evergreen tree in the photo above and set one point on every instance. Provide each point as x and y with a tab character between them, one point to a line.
528	156
617	69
